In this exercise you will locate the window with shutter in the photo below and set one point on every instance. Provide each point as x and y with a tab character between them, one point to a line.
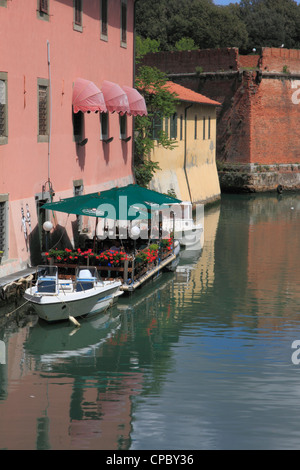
2	226
104	125
104	17
123	126
123	22
3	223
181	127
2	120
77	12
173	126
43	110
78	121
44	6
42	11
167	126
157	127
3	109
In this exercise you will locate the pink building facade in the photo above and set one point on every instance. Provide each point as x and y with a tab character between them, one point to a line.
48	152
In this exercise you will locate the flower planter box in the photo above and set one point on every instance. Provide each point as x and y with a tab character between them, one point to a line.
112	263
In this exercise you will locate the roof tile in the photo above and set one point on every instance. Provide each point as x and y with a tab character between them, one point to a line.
185	94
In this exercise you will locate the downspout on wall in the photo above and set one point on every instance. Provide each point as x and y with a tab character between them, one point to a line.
185	149
133	80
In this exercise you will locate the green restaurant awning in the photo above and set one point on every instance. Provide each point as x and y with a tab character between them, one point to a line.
129	202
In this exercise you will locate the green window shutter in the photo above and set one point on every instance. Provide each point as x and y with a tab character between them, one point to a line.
123	22
78	12
173	126
44	6
3	110
104	17
157	127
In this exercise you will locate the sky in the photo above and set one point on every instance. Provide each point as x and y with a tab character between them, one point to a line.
225	2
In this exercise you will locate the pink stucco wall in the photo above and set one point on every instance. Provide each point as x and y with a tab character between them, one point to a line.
23	56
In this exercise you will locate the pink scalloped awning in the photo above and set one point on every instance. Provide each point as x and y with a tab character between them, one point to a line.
115	98
136	101
87	97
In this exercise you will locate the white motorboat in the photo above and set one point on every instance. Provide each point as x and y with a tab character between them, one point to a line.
185	229
56	299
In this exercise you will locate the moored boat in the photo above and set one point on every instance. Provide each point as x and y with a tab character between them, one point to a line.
57	298
184	227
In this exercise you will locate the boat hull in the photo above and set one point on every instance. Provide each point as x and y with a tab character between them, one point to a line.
61	306
189	236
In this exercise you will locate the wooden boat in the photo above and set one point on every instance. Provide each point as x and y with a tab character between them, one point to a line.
56	298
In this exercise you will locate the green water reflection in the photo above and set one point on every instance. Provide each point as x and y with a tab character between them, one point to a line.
199	359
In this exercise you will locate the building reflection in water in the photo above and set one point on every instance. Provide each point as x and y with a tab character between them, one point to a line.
74	389
66	389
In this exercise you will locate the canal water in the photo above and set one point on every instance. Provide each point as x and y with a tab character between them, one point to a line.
207	357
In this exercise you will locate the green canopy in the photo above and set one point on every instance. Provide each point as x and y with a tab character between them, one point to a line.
126	203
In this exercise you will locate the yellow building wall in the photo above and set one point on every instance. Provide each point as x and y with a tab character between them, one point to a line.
190	168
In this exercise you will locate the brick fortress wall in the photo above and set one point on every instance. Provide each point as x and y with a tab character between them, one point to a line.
260	97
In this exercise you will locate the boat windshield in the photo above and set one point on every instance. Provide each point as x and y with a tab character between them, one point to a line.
47	279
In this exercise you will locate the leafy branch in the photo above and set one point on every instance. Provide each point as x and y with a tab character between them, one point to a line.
160	103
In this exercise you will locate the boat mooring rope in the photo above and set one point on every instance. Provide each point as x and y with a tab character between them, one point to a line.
13	311
17	284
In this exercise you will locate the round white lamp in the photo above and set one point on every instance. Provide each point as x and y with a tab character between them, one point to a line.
135	231
47	226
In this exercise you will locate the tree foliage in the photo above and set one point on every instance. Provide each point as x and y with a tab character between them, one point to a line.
143	46
271	23
247	25
185	44
160	103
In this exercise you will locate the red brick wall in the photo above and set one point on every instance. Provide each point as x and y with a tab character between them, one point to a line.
249	61
258	121
278	59
275	126
233	128
211	60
